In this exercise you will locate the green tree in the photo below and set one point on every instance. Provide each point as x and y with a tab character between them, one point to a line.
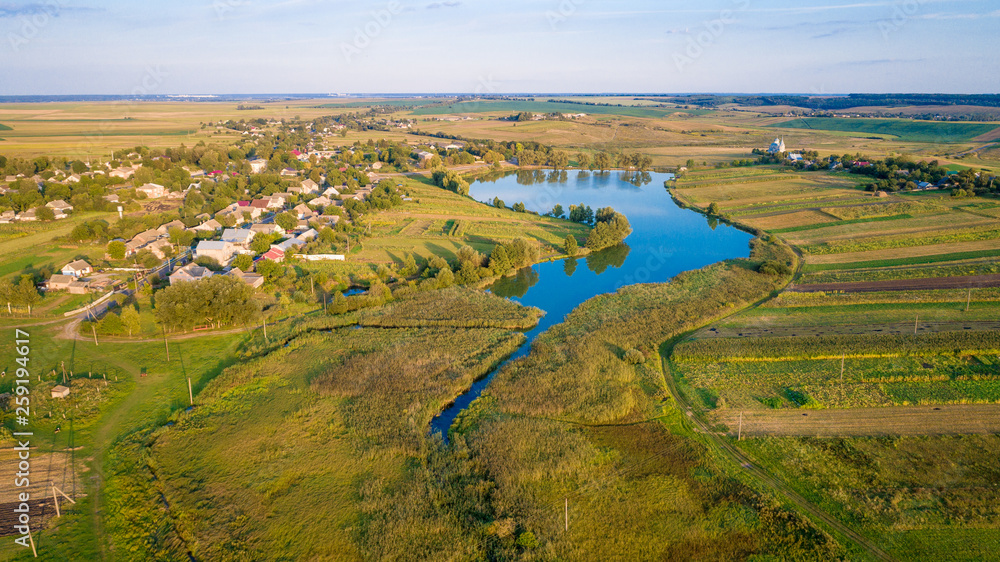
8	293
713	209
243	262
602	161
45	214
582	160
27	294
130	319
286	220
559	160
557	211
445	278
570	245
518	207
116	250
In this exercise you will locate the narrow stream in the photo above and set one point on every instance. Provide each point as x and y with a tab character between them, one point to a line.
666	240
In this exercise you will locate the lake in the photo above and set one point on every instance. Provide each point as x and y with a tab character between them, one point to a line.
665	240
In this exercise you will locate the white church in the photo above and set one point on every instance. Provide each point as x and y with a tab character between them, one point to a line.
777	147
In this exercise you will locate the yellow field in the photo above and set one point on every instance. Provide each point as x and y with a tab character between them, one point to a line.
921	224
799	218
912	252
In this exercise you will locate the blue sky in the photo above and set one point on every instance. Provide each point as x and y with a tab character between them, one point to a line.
587	46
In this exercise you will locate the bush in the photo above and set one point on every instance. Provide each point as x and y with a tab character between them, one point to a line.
634	357
771	267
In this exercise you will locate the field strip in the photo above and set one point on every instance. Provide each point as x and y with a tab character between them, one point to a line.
946	419
966	282
893	328
905	252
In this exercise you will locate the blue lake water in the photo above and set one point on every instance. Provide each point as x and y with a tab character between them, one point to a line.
665	240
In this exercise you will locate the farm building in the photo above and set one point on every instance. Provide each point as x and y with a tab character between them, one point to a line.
218	250
77	268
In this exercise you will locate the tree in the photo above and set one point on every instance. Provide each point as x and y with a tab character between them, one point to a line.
498	203
559	160
557	211
609	231
519	207
582	160
570	245
445	278
261	243
130	319
713	209
117	249
7	293
581	213
243	262
602	161
26	293
44	213
286	220
270	270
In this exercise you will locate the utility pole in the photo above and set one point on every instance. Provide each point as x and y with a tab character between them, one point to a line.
190	394
842	357
94	330
63	365
165	345
739	435
968	299
915	320
264	321
566	515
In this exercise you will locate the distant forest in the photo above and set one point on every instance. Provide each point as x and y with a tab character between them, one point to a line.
839	102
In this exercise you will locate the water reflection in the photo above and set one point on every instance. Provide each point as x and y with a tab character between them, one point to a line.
569	266
516	286
614	256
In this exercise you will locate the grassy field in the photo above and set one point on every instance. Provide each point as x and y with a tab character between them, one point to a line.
920	498
422	227
902	129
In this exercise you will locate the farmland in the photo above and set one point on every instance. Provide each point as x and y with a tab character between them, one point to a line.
903	129
333	409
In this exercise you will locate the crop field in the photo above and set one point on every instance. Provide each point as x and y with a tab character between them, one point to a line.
507	107
896	225
903	129
906	256
920	498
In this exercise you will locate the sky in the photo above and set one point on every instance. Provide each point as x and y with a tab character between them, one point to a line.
497	47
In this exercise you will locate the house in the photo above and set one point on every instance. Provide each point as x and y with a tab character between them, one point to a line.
59	282
7	217
274	255
211	225
238	236
269	228
331	192
27	216
795	157
276	201
190	272
77	268
75	178
290	243
424	156
112	198
159	247
253	279
310	234
289	172
152	190
59	206
218	250
258	165
60	391
377	166
124	172
321	201
309	186
78	287
302	211
164	229
262	204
